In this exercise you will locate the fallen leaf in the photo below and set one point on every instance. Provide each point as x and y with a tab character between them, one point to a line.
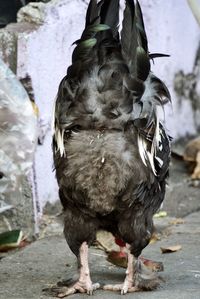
171	249
106	241
160	214
120	259
117	258
177	221
154	238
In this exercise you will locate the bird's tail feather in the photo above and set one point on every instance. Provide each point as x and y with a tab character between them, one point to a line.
109	15
134	41
144	279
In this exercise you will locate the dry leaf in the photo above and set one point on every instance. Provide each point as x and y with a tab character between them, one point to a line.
177	221
154	238
171	249
119	259
106	241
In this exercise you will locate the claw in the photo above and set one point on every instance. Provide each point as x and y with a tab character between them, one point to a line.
90	292
123	292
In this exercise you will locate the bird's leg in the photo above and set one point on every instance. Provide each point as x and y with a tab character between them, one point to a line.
84	284
128	285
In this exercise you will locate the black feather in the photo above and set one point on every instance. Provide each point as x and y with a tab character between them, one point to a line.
141	28
134	41
143	64
92	30
161	89
157	55
110	15
83	49
128	32
92	13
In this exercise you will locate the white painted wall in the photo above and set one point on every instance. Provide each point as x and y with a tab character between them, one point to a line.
172	29
46	53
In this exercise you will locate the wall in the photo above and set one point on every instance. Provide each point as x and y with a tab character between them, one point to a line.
45	54
172	29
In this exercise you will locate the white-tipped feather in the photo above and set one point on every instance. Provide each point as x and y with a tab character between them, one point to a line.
59	138
151	161
57	133
159	161
150	156
142	149
157	131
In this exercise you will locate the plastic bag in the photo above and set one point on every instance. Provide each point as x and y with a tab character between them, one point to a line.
18	134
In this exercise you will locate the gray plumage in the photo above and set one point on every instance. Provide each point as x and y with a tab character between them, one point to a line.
111	153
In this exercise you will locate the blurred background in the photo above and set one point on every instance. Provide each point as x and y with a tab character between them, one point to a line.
35	50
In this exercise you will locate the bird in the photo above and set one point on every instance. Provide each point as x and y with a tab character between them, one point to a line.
111	149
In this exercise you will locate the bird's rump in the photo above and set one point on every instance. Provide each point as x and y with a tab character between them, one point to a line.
101	165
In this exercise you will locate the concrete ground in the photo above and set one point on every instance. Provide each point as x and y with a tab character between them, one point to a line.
25	273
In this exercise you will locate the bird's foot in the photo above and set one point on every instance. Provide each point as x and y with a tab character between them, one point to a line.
84	283
79	287
141	280
128	286
138	277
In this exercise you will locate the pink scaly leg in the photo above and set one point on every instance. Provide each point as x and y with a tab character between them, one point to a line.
128	285
84	284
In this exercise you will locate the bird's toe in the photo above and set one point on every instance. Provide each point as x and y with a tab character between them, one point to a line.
93	288
123	288
78	287
65	291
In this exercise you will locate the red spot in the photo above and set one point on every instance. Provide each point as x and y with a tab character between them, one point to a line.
119	242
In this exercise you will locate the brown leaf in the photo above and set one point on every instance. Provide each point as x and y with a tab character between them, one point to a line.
171	249
117	258
177	221
106	241
120	259
154	238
